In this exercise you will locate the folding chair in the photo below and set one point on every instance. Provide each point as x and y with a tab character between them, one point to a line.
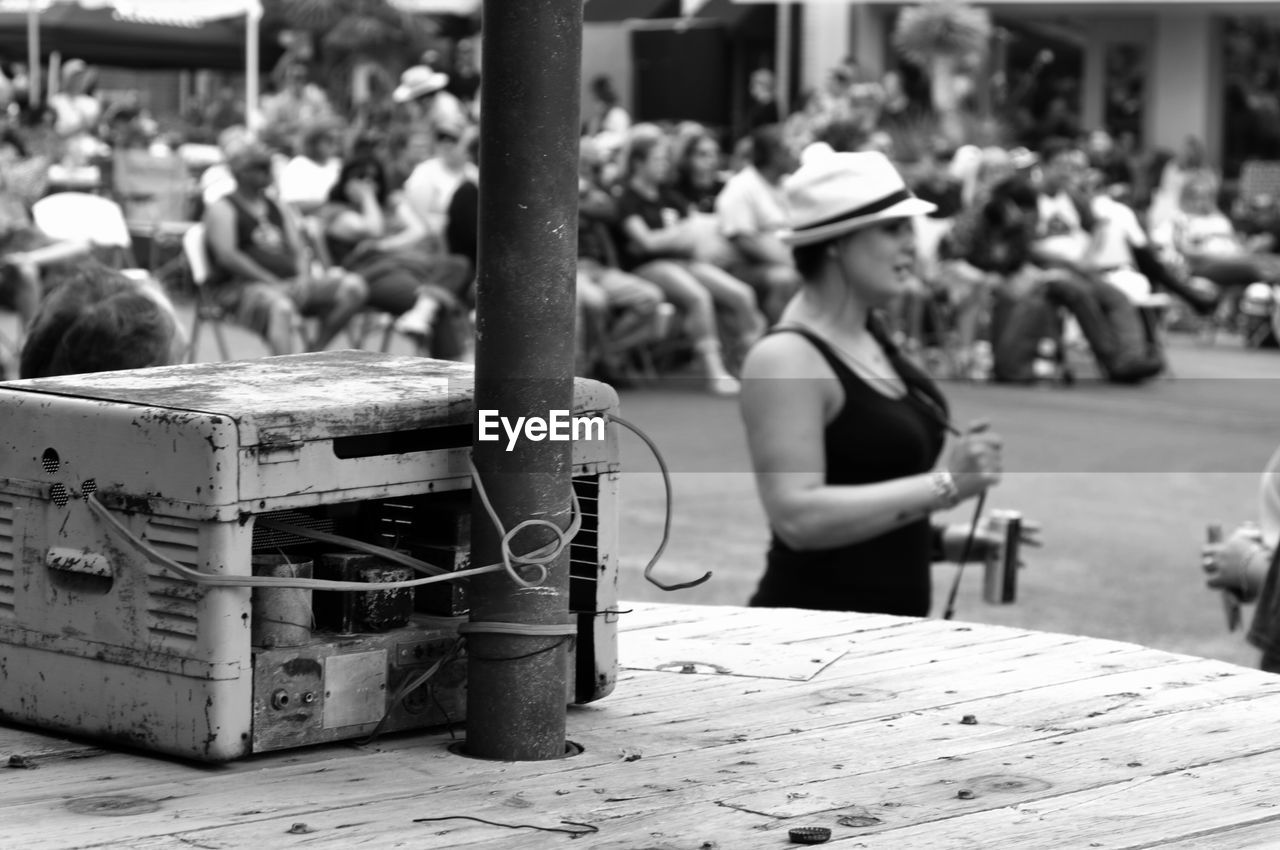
157	196
206	308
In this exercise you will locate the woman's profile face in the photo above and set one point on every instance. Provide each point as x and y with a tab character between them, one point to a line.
878	260
657	165
704	159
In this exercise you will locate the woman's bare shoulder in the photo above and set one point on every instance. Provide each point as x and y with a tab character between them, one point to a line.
785	355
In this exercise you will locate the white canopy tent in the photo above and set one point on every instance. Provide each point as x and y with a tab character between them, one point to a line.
177	13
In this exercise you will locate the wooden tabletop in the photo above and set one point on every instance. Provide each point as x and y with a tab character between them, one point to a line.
730	727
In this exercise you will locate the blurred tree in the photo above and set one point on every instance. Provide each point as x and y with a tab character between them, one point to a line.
944	38
359	42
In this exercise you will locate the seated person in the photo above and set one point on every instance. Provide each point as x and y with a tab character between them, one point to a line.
98	320
306	179
752	210
999	245
1199	234
262	271
617	311
365	233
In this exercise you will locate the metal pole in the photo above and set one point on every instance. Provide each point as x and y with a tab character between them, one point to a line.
783	51
517	684
33	54
253	16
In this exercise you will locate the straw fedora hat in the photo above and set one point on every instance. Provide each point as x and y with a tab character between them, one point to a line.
836	193
417	82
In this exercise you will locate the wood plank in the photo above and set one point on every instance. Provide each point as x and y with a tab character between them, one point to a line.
678	760
923	793
1149	811
750	660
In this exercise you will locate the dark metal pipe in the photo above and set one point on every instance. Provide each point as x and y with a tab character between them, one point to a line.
517	684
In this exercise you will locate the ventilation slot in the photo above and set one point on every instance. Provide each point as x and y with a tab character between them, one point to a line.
173	602
7	550
269	540
584	552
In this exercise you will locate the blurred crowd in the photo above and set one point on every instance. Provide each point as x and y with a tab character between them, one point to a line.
316	223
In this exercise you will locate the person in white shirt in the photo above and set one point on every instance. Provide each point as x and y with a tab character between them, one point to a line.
431	185
752	209
307	179
431	107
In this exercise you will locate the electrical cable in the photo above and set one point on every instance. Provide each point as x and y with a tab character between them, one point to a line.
538	557
964	556
666	521
587	829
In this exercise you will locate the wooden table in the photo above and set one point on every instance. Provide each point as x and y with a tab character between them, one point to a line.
728	728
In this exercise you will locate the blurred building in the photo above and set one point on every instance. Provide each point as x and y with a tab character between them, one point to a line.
1160	69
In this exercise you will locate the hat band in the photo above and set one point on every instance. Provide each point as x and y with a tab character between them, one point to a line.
872	208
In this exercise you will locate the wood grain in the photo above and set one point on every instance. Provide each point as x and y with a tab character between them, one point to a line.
893	733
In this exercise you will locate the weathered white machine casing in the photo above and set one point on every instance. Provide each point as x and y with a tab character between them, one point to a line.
96	639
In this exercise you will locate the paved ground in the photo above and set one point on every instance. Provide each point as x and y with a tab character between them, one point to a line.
1124	480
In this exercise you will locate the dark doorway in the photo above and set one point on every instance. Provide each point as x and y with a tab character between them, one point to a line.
682	74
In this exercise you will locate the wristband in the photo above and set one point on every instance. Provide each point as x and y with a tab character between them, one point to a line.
945	492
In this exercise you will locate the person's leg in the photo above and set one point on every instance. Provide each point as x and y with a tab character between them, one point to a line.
735	298
334	298
633	302
589	329
1075	295
693	300
267	310
774	284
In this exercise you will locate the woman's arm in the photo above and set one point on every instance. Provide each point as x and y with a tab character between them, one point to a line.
412	232
668	242
786	410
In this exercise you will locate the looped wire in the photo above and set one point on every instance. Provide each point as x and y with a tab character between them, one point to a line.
539	557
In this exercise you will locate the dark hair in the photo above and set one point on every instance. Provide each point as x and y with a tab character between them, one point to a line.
844	135
767	143
810	258
365	166
97	320
10	137
602	88
1054	147
315	135
640	147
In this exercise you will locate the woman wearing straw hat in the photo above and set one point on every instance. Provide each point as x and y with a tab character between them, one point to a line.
844	433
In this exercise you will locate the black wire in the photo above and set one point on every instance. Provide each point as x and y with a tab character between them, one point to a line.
666	521
555	645
964	556
587	828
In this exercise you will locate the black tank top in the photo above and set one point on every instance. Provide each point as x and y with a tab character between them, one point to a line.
872	439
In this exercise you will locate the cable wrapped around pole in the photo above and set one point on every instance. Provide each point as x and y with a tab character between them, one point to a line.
517	680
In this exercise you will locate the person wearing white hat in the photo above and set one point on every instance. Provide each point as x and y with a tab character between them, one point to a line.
845	434
423	92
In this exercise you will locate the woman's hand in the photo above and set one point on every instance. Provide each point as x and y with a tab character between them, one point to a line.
976	461
360	190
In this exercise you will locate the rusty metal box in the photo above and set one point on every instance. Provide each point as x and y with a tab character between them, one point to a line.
97	639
